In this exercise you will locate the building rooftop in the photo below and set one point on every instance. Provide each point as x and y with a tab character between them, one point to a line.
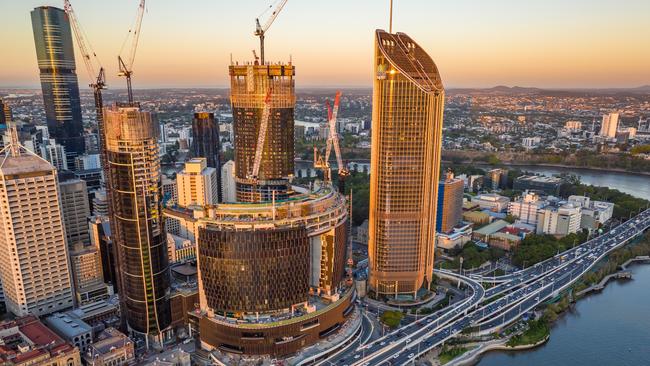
23	164
540	179
492	228
107	341
67	326
410	59
26	340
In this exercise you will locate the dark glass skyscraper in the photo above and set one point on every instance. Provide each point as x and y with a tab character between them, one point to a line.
136	223
5	113
55	54
205	142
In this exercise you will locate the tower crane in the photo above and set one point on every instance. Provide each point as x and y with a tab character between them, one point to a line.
126	68
261	137
332	141
260	30
98	80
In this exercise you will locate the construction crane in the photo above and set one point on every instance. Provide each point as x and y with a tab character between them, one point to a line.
260	30
261	137
333	140
126	68
98	80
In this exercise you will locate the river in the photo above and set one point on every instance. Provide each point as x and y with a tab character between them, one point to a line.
610	328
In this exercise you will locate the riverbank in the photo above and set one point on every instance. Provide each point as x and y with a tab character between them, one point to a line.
585	168
554	312
546	165
473	356
610	162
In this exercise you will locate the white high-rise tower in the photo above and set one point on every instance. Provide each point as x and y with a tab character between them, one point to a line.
34	263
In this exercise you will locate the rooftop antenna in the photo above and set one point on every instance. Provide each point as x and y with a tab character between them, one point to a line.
390	24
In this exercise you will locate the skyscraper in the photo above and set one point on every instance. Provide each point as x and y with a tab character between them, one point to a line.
136	222
5	113
251	87
76	210
34	267
206	143
609	126
408	100
228	187
197	184
55	54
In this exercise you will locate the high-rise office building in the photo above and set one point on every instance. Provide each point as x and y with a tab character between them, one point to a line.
55	54
407	108
197	184
76	210
609	125
228	186
136	223
251	87
85	259
450	203
55	154
87	274
100	238
206	142
34	268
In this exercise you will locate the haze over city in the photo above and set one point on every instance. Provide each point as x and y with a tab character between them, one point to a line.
552	44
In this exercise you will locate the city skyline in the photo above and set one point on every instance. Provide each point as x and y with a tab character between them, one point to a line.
504	42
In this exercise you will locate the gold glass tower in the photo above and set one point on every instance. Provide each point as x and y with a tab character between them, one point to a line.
408	99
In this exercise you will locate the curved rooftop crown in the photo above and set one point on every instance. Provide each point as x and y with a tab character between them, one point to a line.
410	59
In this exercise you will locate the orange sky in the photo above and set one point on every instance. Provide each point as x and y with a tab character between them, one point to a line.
586	43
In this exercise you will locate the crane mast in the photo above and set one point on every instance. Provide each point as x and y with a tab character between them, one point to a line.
261	137
98	80
332	141
126	68
260	30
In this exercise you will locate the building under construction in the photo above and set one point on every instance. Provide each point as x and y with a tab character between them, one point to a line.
272	265
263	97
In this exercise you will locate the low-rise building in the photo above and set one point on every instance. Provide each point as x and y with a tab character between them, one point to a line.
492	202
540	183
27	341
455	239
503	240
476	217
483	234
71	329
112	348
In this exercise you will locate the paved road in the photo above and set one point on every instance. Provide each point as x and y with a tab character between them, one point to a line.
525	290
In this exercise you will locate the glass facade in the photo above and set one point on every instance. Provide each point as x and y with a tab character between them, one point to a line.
55	54
250	85
408	100
136	223
254	270
206	144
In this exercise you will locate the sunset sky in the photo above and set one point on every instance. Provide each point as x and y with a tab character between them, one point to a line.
475	43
